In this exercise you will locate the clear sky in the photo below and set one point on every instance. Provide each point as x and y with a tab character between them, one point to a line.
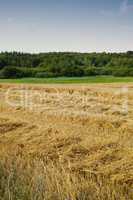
66	25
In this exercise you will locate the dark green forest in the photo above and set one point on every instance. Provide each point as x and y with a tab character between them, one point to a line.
19	65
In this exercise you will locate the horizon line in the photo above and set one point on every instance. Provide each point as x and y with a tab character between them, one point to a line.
81	52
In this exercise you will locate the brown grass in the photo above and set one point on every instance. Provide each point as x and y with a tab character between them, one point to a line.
77	145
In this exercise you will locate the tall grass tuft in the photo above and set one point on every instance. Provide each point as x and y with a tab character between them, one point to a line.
23	179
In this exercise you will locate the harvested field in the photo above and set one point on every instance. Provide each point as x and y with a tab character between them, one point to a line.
66	142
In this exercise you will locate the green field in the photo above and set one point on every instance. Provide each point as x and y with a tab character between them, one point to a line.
63	80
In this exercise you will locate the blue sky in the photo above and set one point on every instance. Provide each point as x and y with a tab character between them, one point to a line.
66	25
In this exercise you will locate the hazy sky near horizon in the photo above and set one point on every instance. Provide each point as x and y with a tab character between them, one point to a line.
66	25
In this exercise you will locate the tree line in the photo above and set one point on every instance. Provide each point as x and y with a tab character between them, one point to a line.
18	65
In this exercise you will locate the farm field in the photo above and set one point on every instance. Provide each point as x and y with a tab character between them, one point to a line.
70	80
68	142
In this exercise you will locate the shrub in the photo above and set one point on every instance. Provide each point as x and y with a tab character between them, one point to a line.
121	72
15	72
45	75
11	72
91	71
